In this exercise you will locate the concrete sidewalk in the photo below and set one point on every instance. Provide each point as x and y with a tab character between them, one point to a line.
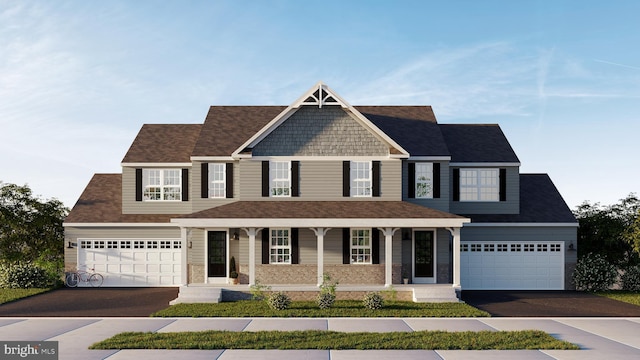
614	338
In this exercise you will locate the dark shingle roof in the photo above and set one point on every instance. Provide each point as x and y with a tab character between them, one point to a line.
321	210
477	143
540	202
227	127
163	143
101	202
413	127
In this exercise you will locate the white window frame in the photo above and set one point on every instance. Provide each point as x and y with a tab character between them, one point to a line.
360	251
217	185
361	178
480	184
156	180
280	246
280	178
424	177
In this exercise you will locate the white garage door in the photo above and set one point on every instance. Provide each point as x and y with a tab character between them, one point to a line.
489	265
141	262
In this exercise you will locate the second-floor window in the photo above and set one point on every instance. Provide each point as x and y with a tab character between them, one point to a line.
217	176
162	184
424	180
479	185
280	178
361	178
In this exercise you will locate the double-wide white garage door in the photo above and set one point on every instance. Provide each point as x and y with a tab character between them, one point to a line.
500	265
128	262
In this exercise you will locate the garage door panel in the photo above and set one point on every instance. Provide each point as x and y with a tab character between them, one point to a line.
134	262
512	265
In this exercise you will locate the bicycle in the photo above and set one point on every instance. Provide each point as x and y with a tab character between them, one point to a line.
93	278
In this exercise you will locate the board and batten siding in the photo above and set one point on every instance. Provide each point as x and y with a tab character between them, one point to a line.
320	181
131	206
510	206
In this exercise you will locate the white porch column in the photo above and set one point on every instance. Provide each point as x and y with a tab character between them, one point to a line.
252	232
455	232
184	234
388	255
320	233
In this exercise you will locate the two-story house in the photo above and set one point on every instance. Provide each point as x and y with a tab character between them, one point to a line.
367	194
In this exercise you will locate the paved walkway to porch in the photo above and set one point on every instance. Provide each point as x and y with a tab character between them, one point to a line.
599	338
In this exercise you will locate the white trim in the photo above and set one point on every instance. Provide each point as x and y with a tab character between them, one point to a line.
273	168
521	224
157	164
319	158
484	164
80	225
424	280
362	247
320	222
212	158
429	158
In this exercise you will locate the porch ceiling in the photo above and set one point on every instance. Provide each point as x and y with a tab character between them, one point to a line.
321	214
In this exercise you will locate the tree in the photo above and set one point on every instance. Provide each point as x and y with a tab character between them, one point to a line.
603	230
30	228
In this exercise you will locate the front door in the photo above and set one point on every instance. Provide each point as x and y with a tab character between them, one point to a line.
423	256
217	253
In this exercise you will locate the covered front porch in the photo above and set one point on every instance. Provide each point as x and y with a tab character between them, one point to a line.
295	243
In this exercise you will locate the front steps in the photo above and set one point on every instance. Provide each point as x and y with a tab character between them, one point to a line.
435	293
198	294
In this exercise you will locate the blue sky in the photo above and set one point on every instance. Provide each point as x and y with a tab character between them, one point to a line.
562	78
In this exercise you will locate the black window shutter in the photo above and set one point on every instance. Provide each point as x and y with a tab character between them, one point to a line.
295	253
265	179
411	181
295	178
456	184
376	178
375	246
185	184
436	180
265	245
204	180
503	184
346	179
346	246
138	184
229	180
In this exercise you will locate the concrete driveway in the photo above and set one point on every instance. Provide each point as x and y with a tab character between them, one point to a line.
548	304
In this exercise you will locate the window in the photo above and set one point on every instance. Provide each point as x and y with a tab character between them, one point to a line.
162	184
361	178
360	246
280	247
217	176
280	178
424	182
479	185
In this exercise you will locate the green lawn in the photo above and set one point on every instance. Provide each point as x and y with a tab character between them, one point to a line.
323	340
631	297
8	295
341	308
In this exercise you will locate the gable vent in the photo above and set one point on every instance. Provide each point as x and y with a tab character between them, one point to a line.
322	96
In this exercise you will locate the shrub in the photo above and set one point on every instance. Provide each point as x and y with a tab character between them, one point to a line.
24	276
594	273
279	301
373	301
630	279
258	291
325	300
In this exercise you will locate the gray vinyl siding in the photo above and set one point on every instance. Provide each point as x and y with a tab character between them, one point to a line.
443	238
333	247
320	181
441	203
131	206
196	254
510	206
198	203
308	246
